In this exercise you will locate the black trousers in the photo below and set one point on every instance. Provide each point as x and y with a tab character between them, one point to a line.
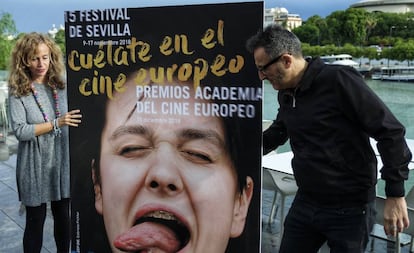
35	220
309	226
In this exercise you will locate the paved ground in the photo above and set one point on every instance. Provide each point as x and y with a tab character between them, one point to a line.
12	222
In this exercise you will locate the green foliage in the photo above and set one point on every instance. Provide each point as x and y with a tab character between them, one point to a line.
9	36
335	22
309	33
60	40
403	51
354	24
357	27
353	30
6	48
7	29
7	25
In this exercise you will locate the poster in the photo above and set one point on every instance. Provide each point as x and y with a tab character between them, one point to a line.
168	155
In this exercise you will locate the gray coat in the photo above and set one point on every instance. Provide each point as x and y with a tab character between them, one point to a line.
42	168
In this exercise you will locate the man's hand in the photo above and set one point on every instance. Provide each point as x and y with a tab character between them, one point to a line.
395	215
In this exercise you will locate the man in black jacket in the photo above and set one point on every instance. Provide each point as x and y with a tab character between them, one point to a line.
328	113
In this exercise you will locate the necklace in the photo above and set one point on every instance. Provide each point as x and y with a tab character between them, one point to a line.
55	99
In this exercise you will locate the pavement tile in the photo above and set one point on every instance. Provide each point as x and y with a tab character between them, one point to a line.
12	223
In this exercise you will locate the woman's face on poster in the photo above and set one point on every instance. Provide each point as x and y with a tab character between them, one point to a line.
167	183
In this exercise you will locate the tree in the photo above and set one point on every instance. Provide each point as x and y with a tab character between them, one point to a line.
370	23
391	26
403	51
7	30
335	27
6	48
354	24
312	51
320	23
7	25
309	33
60	40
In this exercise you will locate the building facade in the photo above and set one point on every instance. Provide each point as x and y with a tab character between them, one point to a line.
282	17
392	6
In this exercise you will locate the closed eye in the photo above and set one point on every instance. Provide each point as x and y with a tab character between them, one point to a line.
131	141
133	151
197	157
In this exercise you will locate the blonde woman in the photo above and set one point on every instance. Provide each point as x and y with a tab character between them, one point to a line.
39	117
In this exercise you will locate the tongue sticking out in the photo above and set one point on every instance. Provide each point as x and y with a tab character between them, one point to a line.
150	236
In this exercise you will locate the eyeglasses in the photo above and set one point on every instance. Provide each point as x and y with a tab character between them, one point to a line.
264	67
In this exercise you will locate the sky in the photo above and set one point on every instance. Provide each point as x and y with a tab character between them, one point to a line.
41	15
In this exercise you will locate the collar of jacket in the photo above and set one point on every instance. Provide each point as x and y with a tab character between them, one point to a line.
314	67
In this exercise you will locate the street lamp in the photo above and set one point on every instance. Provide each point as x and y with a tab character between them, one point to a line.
389	45
392	27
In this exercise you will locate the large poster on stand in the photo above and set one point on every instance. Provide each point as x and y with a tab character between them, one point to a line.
168	155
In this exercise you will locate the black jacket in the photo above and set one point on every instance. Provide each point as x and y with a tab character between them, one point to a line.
329	118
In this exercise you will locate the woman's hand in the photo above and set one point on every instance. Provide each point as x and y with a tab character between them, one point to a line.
71	118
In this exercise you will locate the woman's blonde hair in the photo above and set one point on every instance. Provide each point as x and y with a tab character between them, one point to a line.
20	76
